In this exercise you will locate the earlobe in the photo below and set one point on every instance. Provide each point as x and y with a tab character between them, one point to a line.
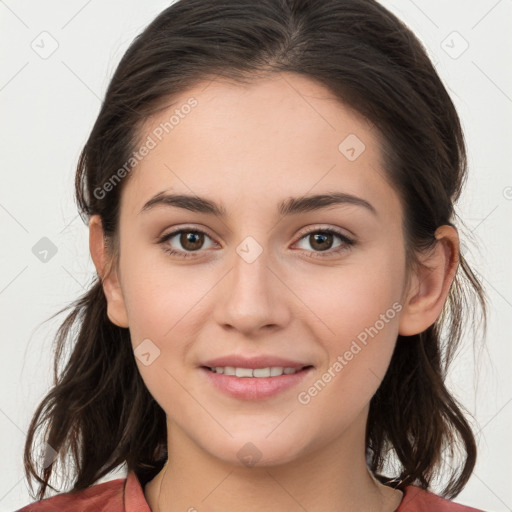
105	267
430	285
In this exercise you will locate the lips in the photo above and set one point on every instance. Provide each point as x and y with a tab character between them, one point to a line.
254	362
269	371
254	378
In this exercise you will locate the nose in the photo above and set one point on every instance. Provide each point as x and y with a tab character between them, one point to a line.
252	297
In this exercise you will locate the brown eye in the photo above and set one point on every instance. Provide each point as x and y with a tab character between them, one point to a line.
321	241
191	240
184	242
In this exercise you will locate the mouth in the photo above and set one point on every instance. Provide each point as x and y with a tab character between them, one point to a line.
269	371
251	384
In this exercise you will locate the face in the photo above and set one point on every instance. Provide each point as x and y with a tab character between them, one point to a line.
268	284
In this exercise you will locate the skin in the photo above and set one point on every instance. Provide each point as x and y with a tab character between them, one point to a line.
250	147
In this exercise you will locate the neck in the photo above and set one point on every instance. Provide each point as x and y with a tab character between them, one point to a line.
331	479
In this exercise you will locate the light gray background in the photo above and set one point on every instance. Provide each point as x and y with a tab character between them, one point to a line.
48	106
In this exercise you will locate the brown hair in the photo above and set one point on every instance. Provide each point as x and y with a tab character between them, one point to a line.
99	410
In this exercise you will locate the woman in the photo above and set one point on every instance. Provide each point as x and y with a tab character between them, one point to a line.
270	192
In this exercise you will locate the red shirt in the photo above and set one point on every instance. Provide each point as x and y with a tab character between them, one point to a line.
127	495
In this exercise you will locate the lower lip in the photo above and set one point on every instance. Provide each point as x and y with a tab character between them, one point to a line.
254	388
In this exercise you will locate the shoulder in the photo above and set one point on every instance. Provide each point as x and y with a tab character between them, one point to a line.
120	495
419	500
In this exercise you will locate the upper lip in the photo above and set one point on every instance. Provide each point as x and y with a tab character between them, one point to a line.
254	362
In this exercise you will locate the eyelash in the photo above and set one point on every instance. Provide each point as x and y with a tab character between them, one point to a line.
347	242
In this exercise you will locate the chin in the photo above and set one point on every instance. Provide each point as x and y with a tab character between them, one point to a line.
256	448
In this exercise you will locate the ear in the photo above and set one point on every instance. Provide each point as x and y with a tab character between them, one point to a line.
107	271
430	284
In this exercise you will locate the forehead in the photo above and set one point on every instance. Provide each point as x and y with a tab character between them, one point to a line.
272	138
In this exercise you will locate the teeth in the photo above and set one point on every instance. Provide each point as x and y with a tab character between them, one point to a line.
262	372
274	371
243	372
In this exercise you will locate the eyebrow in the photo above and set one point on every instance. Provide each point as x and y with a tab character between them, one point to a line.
290	206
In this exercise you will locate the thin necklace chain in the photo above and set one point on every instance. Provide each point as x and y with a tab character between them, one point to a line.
160	487
165	471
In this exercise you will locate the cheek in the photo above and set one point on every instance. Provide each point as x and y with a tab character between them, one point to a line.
163	306
158	294
360	309
168	305
350	298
